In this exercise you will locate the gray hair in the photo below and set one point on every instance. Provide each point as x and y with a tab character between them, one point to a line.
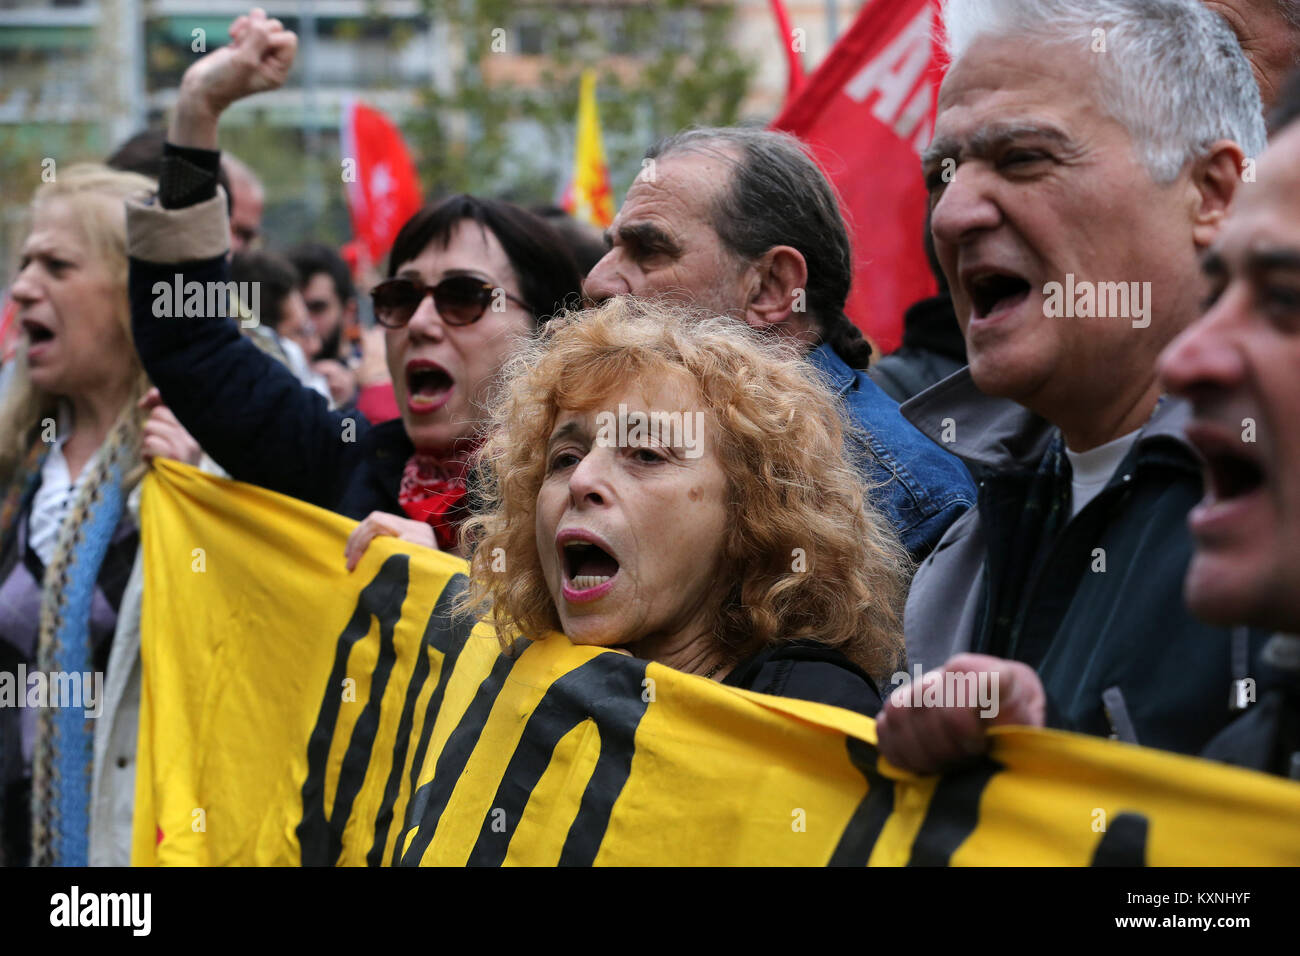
1173	72
778	196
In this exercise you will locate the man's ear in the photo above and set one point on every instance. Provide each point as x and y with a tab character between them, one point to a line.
779	295
1215	179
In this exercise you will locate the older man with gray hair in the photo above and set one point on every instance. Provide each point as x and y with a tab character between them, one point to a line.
1085	155
743	222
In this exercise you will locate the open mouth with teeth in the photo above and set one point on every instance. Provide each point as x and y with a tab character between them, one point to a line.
587	566
995	292
427	386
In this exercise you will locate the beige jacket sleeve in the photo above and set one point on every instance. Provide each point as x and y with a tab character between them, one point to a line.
155	234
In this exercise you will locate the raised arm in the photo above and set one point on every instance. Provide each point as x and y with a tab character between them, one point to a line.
257	59
248	410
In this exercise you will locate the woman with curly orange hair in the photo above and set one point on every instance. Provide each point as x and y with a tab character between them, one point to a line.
667	483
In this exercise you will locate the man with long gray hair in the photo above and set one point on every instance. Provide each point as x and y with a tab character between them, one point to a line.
743	222
1085	155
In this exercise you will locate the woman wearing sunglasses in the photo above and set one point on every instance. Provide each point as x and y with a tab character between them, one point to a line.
468	281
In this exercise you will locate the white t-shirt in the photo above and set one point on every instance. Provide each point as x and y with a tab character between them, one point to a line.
1092	470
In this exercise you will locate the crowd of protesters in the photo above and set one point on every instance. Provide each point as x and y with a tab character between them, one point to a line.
1103	511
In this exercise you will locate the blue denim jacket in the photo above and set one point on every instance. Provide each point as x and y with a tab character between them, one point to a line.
923	489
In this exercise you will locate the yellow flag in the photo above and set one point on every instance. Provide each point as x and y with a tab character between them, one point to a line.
294	713
589	197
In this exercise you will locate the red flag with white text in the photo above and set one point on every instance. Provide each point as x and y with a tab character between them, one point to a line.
382	187
866	114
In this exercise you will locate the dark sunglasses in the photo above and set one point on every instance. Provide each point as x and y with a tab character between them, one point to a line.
460	300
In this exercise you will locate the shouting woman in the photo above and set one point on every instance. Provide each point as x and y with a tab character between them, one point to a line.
468	280
669	484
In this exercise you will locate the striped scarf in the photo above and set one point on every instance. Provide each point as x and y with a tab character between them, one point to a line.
64	760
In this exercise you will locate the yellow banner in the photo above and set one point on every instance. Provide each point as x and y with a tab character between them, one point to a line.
589	197
295	713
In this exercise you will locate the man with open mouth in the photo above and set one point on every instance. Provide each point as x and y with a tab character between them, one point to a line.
1238	367
1089	146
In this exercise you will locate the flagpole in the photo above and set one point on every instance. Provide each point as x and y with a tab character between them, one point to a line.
794	63
307	35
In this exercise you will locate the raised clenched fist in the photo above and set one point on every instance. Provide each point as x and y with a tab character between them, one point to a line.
257	59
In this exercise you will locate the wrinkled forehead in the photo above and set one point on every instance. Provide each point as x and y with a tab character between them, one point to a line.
682	185
1019	80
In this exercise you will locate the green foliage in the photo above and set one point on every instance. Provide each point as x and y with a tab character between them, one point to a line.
289	169
660	67
23	149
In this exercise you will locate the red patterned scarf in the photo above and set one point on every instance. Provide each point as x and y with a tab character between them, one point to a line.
430	492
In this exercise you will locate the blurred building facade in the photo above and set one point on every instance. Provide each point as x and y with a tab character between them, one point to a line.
79	76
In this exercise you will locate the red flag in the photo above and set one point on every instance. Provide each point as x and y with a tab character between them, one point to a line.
866	114
9	330
382	188
794	79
